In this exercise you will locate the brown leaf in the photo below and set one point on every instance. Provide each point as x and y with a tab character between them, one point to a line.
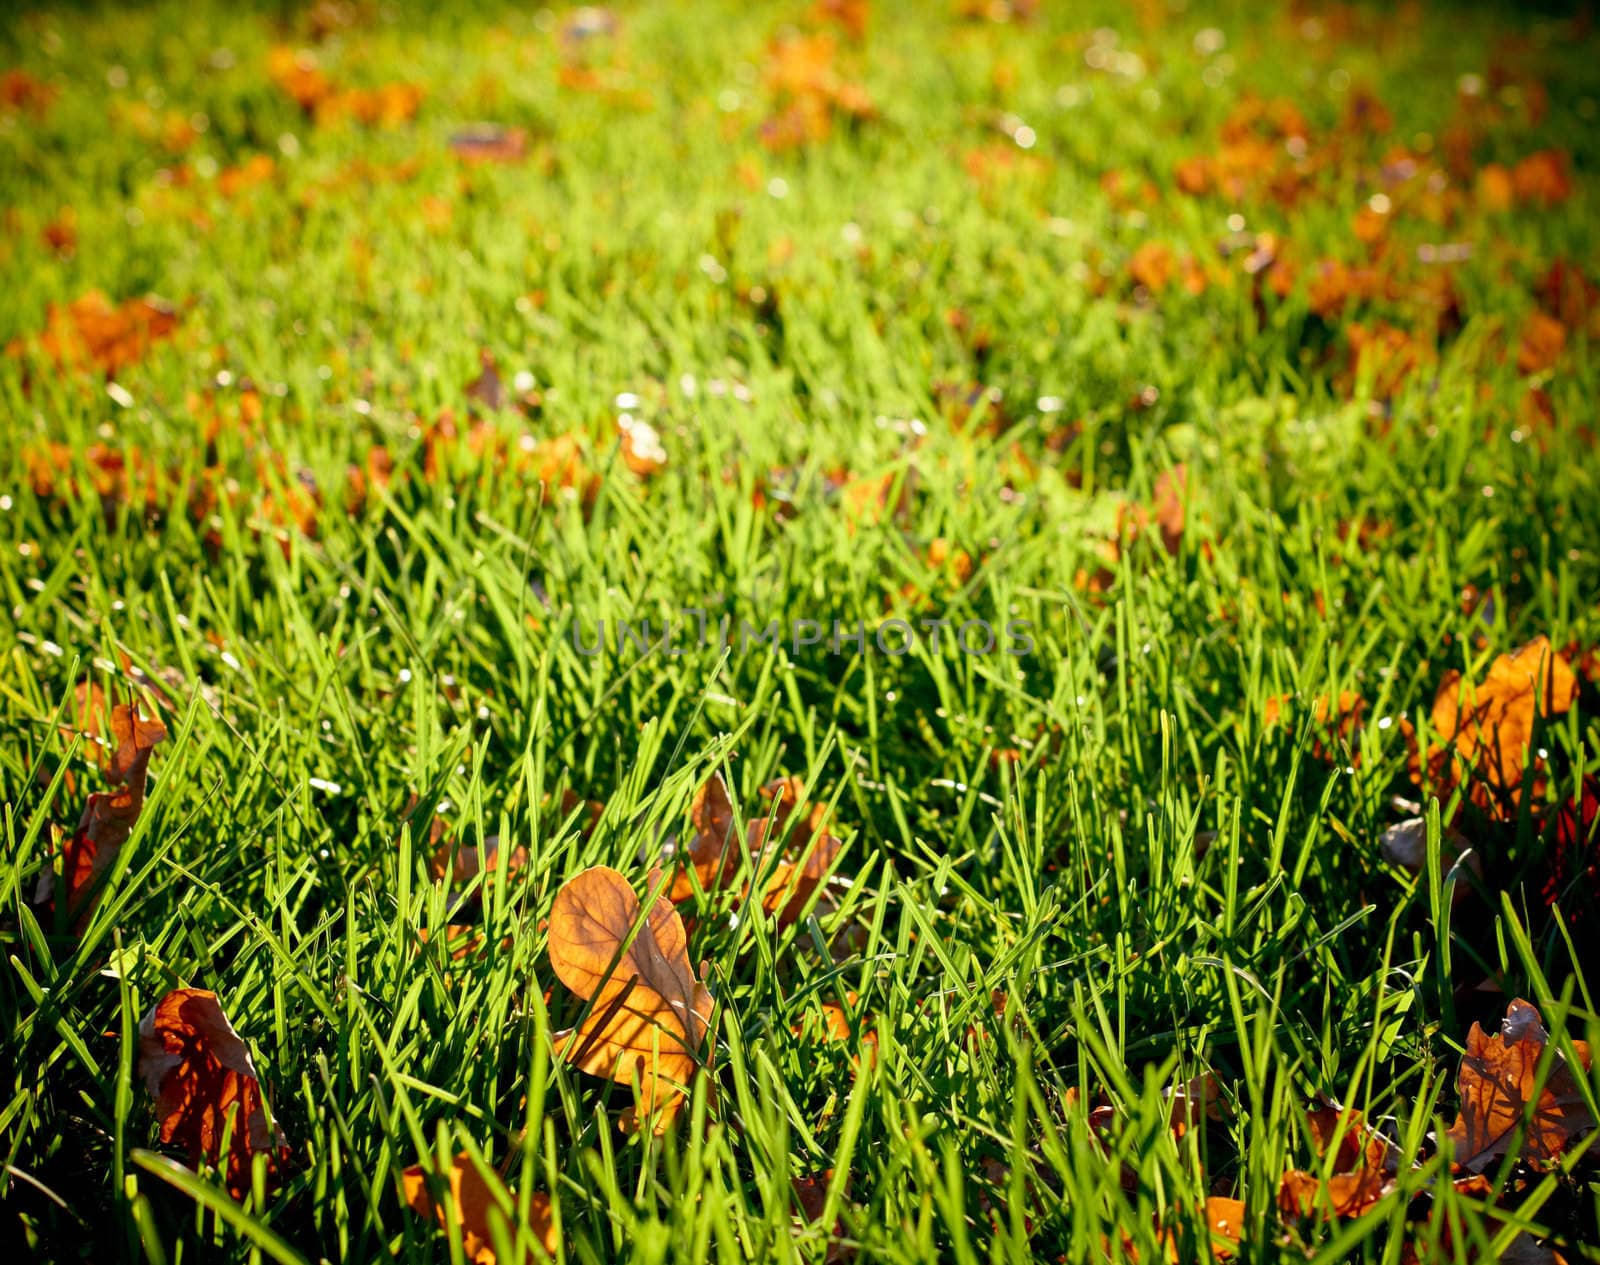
790	876
710	853
1499	1091
109	816
651	1014
205	1084
472	1197
1363	1168
811	1198
1543	340
1487	728
91	331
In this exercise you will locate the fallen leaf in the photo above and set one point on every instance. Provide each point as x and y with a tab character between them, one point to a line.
489	143
471	1197
1362	1168
108	816
710	855
1486	729
1225	1218
811	1198
92	331
205	1086
1544	338
650	1014
791	862
1500	1092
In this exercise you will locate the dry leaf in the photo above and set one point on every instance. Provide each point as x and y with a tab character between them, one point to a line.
109	816
1363	1168
1499	1091
92	331
710	854
1225	1218
651	1015
790	876
811	1198
472	1197
793	879
204	1084
1487	729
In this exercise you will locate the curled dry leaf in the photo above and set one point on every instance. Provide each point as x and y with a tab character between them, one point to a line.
473	1197
205	1087
650	1014
1500	1090
793	878
1225	1219
1487	729
790	877
1406	844
1362	1168
109	816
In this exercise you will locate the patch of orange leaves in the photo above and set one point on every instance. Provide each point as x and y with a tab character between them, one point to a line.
91	331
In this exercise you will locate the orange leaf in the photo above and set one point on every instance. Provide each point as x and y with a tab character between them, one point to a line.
1499	1091
650	1014
791	878
1225	1217
710	853
1543	340
1487	729
109	816
1363	1169
205	1086
472	1198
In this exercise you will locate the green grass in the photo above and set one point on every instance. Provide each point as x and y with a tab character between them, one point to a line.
1162	885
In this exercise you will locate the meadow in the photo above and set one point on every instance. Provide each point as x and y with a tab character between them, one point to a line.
1120	481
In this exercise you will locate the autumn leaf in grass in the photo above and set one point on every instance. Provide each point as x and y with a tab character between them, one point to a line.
1487	729
1151	266
463	862
792	861
1501	1091
1541	343
92	331
1225	1221
471	1198
1358	1168
205	1086
485	142
811	1201
1337	727
649	1016
711	857
109	816
642	450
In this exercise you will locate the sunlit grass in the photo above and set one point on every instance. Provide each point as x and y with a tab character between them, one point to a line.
1074	878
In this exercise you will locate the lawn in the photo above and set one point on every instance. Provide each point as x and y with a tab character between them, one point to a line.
958	631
